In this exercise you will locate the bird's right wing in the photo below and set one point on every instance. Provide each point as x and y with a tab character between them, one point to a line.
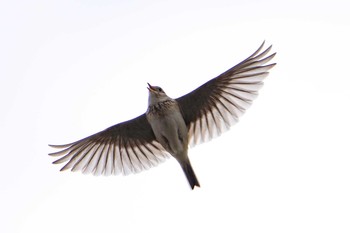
128	147
216	105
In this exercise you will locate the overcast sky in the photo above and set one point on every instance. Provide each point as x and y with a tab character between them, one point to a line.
69	69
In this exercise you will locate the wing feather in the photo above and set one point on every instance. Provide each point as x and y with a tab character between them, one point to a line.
220	102
125	148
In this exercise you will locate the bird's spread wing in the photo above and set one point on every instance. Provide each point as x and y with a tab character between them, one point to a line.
216	105
128	147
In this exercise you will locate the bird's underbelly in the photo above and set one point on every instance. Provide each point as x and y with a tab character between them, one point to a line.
171	132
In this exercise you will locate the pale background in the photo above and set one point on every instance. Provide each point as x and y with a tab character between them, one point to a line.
71	68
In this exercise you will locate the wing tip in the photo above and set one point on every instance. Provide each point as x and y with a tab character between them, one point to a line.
64	168
60	146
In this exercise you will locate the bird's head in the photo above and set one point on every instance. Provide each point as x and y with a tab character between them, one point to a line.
156	95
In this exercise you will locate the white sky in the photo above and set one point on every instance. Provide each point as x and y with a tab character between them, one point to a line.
71	68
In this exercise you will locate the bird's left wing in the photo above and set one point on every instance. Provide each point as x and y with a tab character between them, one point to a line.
216	105
128	147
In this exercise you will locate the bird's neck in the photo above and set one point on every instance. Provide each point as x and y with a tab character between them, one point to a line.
155	100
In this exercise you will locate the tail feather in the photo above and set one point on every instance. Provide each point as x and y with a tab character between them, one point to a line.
190	175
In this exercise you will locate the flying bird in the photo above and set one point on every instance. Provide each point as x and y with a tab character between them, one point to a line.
169	125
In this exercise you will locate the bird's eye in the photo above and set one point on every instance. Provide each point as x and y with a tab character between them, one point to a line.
160	90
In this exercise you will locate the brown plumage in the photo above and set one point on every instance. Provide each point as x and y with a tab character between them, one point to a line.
170	125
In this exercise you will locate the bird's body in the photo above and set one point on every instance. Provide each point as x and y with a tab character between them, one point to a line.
170	130
170	125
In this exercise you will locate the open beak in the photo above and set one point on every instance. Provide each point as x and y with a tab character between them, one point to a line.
151	88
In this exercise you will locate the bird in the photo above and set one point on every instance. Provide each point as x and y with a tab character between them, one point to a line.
170	126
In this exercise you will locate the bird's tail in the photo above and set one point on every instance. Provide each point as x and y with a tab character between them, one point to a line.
190	175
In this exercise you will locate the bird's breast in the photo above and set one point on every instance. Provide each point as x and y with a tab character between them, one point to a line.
169	128
162	108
